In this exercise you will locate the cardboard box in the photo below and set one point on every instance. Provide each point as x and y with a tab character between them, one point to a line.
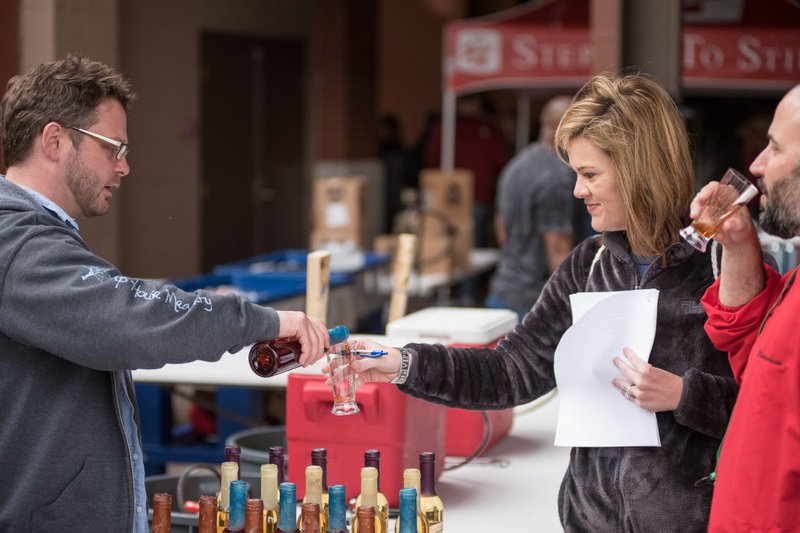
463	327
451	195
339	211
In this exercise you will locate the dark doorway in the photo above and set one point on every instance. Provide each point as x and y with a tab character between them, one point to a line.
253	174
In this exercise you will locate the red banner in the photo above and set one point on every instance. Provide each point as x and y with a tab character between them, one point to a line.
757	56
513	55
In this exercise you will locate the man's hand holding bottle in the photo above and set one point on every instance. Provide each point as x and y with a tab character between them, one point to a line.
310	332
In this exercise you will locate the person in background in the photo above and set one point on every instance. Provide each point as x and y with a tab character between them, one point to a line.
72	326
752	315
533	217
480	147
626	141
394	156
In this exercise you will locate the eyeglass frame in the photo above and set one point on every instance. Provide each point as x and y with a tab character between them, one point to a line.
122	148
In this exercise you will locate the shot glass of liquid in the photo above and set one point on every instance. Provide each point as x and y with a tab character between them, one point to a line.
733	191
343	379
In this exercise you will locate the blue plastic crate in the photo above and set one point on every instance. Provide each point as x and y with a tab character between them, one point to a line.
293	260
258	288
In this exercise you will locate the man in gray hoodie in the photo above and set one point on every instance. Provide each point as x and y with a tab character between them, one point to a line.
72	327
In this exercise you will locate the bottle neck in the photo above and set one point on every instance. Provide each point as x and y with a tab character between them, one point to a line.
337	513
408	512
238	498
287	519
427	481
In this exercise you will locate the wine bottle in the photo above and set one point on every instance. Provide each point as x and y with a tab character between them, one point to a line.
269	495
254	516
319	457
411	480
309	516
229	471
373	458
407	521
162	512
233	453
269	358
369	498
314	493
365	520
430	503
287	520
337	509
277	457
207	522
238	498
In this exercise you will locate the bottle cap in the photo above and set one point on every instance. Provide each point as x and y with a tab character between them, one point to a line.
338	334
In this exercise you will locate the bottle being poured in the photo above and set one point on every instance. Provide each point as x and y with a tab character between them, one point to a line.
270	358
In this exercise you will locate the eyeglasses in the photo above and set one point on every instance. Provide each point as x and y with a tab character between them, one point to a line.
122	148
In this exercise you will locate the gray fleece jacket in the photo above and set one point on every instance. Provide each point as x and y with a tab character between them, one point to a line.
639	489
68	321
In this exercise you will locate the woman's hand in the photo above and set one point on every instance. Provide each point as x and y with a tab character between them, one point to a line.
649	387
380	369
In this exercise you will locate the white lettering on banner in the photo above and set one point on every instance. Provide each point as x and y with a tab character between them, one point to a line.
750	56
773	59
699	54
529	54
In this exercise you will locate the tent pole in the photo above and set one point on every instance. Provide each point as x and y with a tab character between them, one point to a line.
523	120
448	131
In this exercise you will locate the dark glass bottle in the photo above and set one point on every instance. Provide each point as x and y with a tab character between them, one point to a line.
162	512
287	521
277	457
310	518
254	516
238	498
407	521
337	509
269	358
365	518
319	457
430	503
233	454
207	523
373	458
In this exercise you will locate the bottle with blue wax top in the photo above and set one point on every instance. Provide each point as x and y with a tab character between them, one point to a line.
407	521
238	497
337	509
277	356
287	518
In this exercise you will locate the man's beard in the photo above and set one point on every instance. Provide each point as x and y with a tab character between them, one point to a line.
781	216
84	185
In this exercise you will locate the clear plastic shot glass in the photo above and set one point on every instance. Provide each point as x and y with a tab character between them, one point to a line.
343	379
733	191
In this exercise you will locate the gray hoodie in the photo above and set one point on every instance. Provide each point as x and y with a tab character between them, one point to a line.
609	489
68	321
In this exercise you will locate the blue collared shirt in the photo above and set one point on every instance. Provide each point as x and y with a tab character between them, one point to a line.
126	406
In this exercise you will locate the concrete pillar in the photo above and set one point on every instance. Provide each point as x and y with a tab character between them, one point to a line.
652	40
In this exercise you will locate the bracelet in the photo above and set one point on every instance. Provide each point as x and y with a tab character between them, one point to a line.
405	366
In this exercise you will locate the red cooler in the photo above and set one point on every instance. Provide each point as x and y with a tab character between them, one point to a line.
396	424
462	327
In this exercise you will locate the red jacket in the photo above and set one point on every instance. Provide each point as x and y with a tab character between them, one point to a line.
758	476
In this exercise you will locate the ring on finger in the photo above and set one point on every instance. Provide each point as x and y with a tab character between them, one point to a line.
628	394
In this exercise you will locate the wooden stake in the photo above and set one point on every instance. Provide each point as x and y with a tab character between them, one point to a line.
318	284
401	272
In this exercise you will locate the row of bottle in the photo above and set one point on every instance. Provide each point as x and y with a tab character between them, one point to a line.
231	507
